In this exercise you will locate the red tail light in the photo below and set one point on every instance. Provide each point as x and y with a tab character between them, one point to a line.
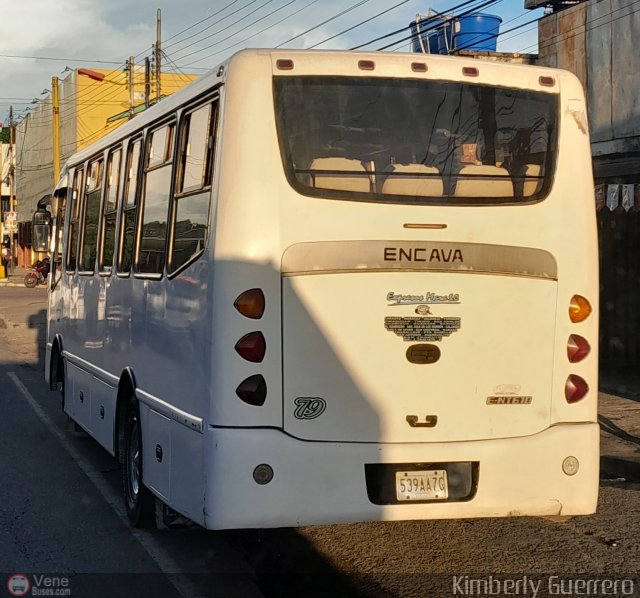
253	390
575	389
252	347
251	304
577	348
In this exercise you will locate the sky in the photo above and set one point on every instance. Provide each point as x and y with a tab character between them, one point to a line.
39	39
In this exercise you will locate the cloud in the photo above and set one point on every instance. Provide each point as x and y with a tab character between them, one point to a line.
115	29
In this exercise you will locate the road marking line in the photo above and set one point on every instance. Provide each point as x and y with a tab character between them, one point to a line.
154	549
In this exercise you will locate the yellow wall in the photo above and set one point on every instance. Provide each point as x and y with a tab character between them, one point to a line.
99	100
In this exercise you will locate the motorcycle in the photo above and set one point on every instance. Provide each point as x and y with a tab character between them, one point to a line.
37	273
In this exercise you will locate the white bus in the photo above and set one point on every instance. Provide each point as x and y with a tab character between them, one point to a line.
320	287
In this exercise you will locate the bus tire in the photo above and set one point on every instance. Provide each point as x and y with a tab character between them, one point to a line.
139	501
58	375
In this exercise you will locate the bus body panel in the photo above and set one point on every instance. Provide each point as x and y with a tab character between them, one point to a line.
324	482
482	362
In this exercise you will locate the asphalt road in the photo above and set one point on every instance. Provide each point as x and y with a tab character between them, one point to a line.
61	514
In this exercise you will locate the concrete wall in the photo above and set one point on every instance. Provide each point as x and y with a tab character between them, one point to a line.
34	167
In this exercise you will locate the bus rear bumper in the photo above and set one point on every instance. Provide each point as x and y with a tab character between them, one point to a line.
325	482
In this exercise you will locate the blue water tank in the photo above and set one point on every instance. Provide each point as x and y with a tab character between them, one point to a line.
445	37
476	31
428	33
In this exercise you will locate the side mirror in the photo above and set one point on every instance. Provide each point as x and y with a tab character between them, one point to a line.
41	230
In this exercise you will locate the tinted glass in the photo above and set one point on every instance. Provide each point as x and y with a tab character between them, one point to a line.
154	220
412	141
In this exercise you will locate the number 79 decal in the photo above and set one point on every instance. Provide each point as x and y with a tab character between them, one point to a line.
309	407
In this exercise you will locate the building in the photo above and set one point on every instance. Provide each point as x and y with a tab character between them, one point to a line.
8	229
92	103
597	40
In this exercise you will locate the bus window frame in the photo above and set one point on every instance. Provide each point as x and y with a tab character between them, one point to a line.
72	202
170	121
124	205
99	158
103	269
60	203
215	105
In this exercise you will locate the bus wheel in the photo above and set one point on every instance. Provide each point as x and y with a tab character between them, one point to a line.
139	501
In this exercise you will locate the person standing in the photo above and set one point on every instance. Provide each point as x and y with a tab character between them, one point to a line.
6	257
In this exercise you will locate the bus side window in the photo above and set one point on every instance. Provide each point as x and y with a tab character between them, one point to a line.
91	216
60	196
156	190
193	185
129	208
110	209
74	221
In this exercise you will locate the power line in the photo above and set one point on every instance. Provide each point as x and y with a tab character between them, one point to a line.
237	31
252	36
59	59
384	12
475	41
208	27
201	21
388	35
180	72
340	14
462	14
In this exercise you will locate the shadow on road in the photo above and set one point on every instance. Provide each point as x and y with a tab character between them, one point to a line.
287	565
608	426
612	467
38	321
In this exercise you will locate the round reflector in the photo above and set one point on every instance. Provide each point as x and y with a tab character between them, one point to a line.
570	466
263	474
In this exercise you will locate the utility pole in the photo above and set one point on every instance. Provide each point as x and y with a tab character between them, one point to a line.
147	82
12	198
158	54
132	105
1	185
55	106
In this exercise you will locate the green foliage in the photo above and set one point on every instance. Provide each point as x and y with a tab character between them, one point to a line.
4	135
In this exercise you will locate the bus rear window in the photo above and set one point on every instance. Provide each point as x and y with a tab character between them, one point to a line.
413	141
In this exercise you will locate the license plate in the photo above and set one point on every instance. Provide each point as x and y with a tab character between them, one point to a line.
422	485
